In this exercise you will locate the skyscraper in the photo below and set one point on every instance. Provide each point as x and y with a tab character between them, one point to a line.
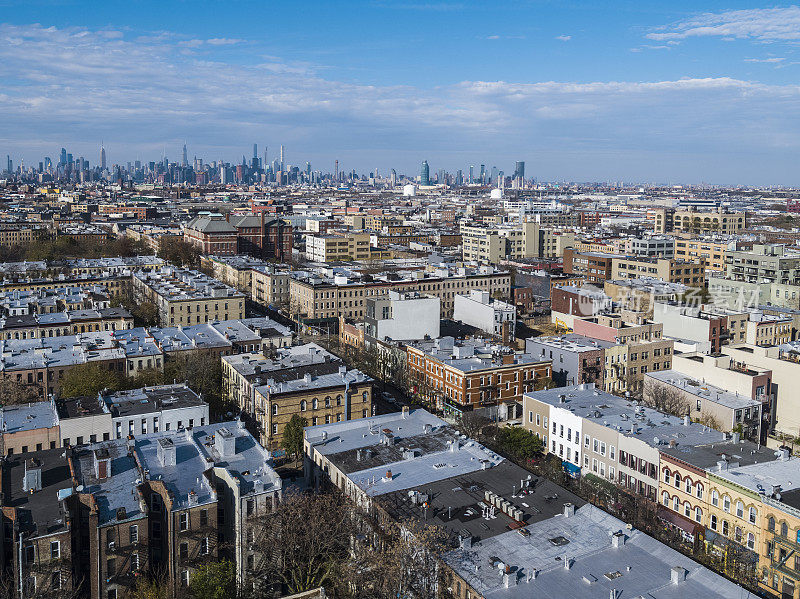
102	157
185	157
9	164
424	174
281	157
471	174
255	151
519	170
336	171
63	160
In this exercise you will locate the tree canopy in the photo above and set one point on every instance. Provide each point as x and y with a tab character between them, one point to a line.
292	440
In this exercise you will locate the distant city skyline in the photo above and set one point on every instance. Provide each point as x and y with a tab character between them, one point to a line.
680	93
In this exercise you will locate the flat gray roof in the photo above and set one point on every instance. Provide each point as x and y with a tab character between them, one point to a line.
704	391
27	417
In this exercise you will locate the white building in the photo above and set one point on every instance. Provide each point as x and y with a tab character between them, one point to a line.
481	311
403	316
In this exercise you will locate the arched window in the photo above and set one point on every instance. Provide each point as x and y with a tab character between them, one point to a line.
739	509
698	514
752	514
314	403
328	402
784	529
714	498
338	400
666	475
771	524
303	405
687	509
688	485
699	491
677	481
713	522
726	504
665	498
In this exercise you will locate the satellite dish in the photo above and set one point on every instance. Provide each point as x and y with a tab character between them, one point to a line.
79	488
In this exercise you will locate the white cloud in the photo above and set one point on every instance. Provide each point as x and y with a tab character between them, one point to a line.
772	60
564	38
140	93
761	24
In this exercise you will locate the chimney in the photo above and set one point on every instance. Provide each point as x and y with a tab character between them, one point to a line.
736	437
618	539
569	510
166	452
677	575
567	562
686	420
102	464
405	412
225	443
508	358
342	370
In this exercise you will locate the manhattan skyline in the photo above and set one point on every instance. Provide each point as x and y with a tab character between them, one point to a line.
586	92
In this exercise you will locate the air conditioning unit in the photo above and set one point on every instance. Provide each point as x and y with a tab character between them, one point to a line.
111	545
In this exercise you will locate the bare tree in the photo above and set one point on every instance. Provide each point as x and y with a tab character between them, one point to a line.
709	420
15	392
664	398
472	423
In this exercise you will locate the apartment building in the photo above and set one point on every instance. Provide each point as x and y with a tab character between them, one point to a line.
138	513
462	375
36	549
490	315
338	248
651	247
764	263
187	297
27	428
696	323
689	273
261	236
406	316
319	398
592	431
595	267
329	297
241	373
691	220
576	359
70	322
766	330
270	286
569	302
493	243
706	403
640	294
713	253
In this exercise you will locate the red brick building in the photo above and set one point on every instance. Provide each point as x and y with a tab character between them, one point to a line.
261	236
211	235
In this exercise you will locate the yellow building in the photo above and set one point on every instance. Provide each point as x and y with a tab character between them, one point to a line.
711	252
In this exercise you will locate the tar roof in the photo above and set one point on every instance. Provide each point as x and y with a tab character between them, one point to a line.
650	426
26	417
705	391
38	513
458	504
186	478
116	491
250	464
639	567
151	399
742	453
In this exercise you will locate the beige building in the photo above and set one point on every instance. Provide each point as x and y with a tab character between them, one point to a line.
186	297
694	221
691	273
492	243
713	253
339	248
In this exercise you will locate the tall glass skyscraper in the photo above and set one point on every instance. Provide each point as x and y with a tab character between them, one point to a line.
425	174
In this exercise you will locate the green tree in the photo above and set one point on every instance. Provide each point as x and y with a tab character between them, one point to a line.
88	380
214	581
520	442
292	440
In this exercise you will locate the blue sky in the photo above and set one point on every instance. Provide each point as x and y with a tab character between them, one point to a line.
662	92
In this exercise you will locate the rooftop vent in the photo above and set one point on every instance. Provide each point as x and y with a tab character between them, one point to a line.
677	575
225	443
32	479
569	510
102	464
166	452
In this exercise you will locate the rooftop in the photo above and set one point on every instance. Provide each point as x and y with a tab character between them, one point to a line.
27	417
703	390
151	399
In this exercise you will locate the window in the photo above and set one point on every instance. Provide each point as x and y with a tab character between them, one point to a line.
725	527
203	517
699	491
771	524
204	546
714	498
751	540
133	534
752	514
698	514
55	549
183	521
726	504
784	529
135	561
688	486
274	409
676	504
677	481
55	580
184	550
185	578
666	476
111	567
713	522
687	510
739	509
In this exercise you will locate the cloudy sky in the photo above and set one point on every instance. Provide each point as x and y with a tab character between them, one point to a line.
582	90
